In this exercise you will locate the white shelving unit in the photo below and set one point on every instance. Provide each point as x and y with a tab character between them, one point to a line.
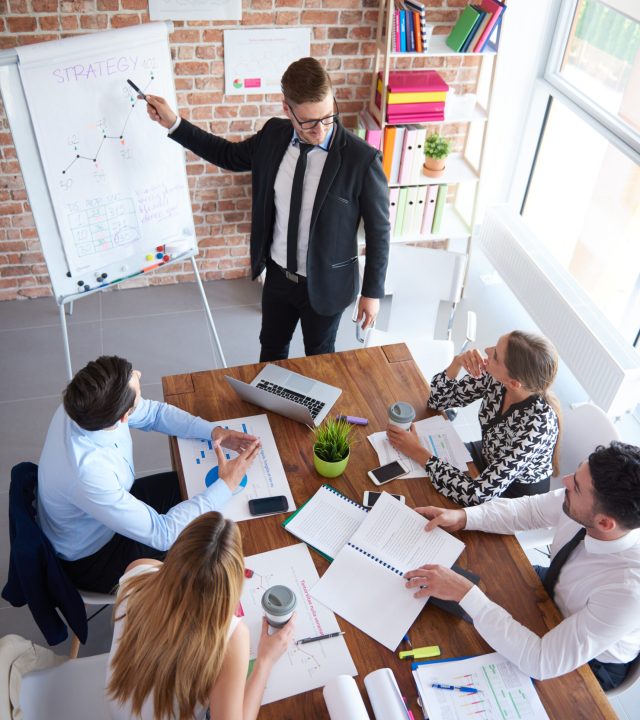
464	169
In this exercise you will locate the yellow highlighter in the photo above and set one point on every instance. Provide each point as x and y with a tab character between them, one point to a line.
421	653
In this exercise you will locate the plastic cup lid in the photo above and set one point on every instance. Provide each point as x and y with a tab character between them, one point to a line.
278	600
401	412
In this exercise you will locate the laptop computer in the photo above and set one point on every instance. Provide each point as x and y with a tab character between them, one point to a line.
288	393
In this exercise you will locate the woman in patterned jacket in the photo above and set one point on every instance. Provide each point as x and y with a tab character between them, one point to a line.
518	416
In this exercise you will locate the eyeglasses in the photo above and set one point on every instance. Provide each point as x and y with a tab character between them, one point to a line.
309	124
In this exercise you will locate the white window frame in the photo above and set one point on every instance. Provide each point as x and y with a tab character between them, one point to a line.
550	85
615	130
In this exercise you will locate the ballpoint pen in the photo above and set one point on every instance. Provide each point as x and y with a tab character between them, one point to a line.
462	688
319	637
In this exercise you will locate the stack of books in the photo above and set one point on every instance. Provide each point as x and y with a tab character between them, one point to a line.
413	96
476	25
410	30
369	130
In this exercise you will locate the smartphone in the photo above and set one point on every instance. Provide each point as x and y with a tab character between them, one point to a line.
370	498
268	505
389	472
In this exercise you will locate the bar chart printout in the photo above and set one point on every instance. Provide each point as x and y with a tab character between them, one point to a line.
503	691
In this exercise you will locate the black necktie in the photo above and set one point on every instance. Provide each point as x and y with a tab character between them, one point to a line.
294	209
553	573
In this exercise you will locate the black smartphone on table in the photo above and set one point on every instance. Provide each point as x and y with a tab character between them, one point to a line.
268	505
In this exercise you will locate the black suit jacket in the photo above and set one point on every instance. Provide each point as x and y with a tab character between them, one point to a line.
352	187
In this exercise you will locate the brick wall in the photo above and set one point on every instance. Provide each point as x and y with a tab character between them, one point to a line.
343	36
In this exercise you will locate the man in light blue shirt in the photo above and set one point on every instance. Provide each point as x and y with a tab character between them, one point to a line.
96	515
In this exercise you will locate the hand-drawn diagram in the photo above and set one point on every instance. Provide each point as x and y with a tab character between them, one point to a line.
302	667
103	129
118	186
103	225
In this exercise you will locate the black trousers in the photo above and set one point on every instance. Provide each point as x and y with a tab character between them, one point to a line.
284	303
516	489
101	571
609	675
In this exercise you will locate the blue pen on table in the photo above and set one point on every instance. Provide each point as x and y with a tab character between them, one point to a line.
462	688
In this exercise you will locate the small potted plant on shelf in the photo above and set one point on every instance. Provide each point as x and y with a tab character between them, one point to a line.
436	150
331	447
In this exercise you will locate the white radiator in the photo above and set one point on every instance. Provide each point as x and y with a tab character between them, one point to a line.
605	365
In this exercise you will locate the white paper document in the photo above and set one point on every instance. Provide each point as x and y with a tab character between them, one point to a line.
302	667
365	585
327	521
265	478
504	692
437	435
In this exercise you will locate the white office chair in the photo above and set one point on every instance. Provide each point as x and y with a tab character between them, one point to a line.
584	427
421	279
90	598
74	690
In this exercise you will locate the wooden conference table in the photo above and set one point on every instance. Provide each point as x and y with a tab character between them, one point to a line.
371	379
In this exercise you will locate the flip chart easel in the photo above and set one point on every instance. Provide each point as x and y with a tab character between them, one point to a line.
108	191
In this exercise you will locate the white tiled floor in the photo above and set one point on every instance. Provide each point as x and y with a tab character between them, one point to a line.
162	330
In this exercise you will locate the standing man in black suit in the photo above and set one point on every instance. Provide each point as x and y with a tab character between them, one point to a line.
313	181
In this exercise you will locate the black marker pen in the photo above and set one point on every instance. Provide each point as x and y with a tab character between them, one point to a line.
137	89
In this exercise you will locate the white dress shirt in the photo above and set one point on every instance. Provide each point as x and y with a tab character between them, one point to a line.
598	593
316	159
84	478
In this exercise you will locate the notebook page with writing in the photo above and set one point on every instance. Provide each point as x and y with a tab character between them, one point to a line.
326	521
365	585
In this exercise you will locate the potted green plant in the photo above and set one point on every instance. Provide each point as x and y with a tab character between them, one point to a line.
436	149
331	447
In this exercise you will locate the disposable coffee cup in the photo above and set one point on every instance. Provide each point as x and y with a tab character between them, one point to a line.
401	414
278	603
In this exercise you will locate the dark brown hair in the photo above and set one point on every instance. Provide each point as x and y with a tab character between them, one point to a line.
533	361
100	394
615	473
305	80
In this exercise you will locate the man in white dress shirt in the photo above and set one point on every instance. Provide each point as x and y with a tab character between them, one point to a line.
97	516
594	576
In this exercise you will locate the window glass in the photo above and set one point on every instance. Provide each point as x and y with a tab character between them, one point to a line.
602	57
583	202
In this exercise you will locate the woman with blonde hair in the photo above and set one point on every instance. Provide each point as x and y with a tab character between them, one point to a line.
519	418
177	645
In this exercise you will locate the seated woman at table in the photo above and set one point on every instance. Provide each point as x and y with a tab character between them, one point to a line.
518	416
177	646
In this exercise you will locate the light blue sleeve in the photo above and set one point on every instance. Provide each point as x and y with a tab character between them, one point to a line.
100	495
170	420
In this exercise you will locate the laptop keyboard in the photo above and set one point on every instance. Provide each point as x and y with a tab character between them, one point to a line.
314	405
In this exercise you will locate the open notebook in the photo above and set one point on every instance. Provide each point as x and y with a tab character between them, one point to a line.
365	584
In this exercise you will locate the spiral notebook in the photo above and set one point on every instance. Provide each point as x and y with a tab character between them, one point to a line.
365	584
326	521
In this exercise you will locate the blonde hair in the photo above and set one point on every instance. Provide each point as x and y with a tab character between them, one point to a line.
177	619
533	361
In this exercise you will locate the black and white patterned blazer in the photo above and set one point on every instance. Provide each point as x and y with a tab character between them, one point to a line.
517	446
